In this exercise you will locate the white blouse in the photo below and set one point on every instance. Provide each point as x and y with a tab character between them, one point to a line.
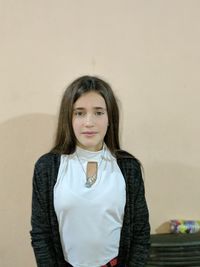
90	219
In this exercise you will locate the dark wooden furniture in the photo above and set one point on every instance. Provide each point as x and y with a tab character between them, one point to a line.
176	250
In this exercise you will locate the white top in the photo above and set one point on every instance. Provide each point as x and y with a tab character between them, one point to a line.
90	219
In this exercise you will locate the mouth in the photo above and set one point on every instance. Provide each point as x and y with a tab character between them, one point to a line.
89	133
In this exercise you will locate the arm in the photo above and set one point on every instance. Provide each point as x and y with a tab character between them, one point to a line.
41	232
140	225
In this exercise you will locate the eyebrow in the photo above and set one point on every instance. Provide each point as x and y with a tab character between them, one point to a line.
95	108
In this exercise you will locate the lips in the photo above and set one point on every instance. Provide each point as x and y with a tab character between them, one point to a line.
89	133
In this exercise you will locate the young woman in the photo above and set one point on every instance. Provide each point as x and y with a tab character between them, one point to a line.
88	204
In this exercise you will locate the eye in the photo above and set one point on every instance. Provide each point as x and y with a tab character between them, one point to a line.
99	113
79	113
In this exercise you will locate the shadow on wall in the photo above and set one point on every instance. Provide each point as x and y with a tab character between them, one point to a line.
23	139
163	228
173	193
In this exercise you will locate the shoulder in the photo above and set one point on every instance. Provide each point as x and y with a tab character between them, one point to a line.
131	169
130	166
47	160
123	156
46	170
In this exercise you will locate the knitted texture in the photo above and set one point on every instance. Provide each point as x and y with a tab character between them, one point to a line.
135	233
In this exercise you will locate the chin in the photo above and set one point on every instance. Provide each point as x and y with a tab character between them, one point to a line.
91	146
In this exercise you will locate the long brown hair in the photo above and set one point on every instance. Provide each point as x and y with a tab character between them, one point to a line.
65	142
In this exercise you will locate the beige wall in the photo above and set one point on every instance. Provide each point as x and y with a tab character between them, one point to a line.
148	50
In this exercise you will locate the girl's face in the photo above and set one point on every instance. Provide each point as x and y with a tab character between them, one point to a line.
90	121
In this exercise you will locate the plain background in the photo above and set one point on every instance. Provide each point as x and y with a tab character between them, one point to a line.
147	50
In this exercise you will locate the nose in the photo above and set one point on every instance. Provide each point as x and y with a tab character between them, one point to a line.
89	120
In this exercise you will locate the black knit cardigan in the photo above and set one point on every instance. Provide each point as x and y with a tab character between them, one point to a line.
135	233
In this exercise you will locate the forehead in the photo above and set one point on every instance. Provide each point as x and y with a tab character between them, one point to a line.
91	99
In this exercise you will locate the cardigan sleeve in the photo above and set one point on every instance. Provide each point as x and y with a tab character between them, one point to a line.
140	243
41	235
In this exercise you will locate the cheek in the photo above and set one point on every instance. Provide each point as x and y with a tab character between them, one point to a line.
75	126
104	126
